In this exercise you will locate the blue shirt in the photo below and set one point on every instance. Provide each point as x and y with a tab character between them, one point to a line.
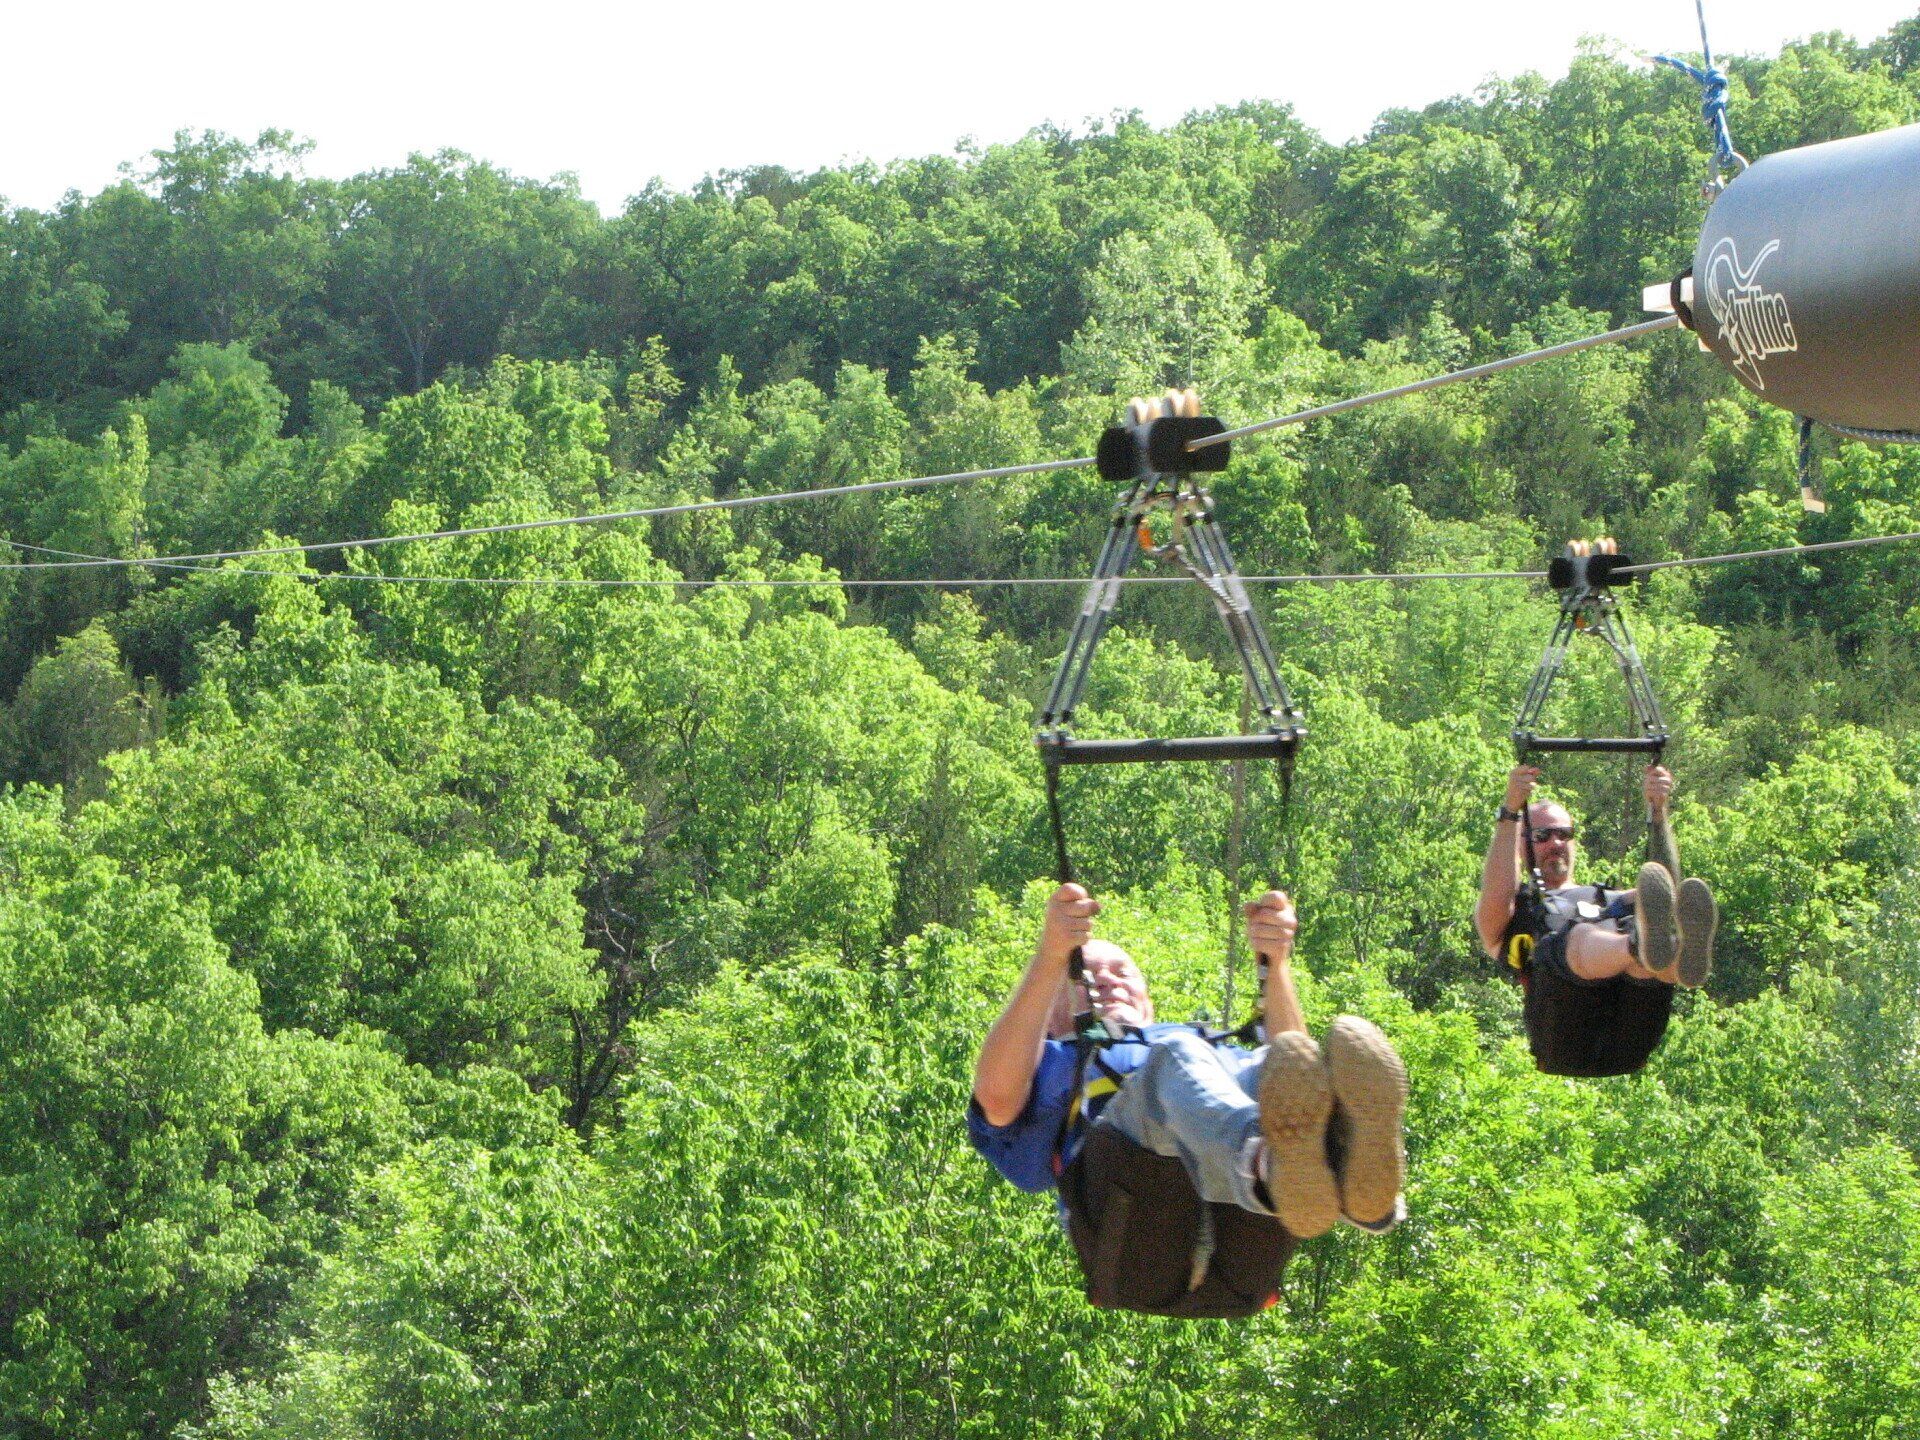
1022	1149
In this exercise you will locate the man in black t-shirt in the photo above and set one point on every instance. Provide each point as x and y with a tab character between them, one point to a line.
1604	963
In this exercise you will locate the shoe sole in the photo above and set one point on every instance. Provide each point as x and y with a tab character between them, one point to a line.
1296	1100
1370	1086
1699	918
1654	915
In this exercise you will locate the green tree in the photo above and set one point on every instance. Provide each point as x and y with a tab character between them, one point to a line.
1802	857
434	259
430	894
1164	307
56	324
155	1144
76	707
247	234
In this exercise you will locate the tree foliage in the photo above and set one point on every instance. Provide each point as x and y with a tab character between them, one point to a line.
506	985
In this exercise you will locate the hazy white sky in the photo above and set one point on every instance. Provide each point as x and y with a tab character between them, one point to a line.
621	94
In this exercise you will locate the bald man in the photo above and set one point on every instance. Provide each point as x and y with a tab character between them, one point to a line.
1279	1129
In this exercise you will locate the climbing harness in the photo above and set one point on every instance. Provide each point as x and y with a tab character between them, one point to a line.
1584	575
1144	1238
1147	1242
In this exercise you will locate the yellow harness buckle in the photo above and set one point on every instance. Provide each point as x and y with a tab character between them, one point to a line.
1520	953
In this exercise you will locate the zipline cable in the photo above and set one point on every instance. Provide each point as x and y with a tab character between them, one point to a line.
109	559
995	582
824	582
1858	543
1434	382
75	560
739	502
734	502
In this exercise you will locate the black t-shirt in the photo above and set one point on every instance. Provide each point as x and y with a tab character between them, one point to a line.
1561	909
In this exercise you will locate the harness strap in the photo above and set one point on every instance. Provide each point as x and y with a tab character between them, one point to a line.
1236	842
1063	866
1063	869
1081	1048
1090	1038
1089	1045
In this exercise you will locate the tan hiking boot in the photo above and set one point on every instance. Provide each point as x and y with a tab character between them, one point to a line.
1654	919
1699	918
1296	1098
1370	1087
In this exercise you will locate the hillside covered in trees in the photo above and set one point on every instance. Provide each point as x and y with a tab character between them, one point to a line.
544	1009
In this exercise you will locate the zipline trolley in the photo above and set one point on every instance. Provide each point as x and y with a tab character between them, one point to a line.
1584	575
1149	455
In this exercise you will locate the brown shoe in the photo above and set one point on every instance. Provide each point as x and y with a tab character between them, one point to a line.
1296	1097
1655	921
1699	918
1370	1087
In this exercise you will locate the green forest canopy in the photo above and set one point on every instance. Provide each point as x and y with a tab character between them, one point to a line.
488	1011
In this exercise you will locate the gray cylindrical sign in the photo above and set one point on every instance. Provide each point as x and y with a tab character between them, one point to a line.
1806	282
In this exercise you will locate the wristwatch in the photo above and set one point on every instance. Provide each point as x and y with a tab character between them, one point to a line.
1503	813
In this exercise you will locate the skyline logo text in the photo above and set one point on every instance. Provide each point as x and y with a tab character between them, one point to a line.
1753	322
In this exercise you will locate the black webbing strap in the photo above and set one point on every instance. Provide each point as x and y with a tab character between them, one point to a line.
1063	871
1062	867
1534	886
1249	1031
1236	846
1083	1045
1088	1041
1811	495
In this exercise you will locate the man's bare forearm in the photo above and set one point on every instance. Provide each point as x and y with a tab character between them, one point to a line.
1500	871
1003	1075
1271	928
1009	1056
1658	788
1499	879
1660	843
1280	1006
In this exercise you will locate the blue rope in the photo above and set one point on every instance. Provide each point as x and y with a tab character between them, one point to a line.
1714	88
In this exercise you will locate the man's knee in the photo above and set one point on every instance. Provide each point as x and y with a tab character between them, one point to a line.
1175	1060
1181	1048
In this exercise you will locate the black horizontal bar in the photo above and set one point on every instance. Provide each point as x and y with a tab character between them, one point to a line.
1065	750
1628	745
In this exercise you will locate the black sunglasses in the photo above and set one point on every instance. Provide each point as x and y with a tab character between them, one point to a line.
1552	832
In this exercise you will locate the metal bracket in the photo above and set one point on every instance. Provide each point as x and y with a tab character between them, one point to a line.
1584	575
1149	454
